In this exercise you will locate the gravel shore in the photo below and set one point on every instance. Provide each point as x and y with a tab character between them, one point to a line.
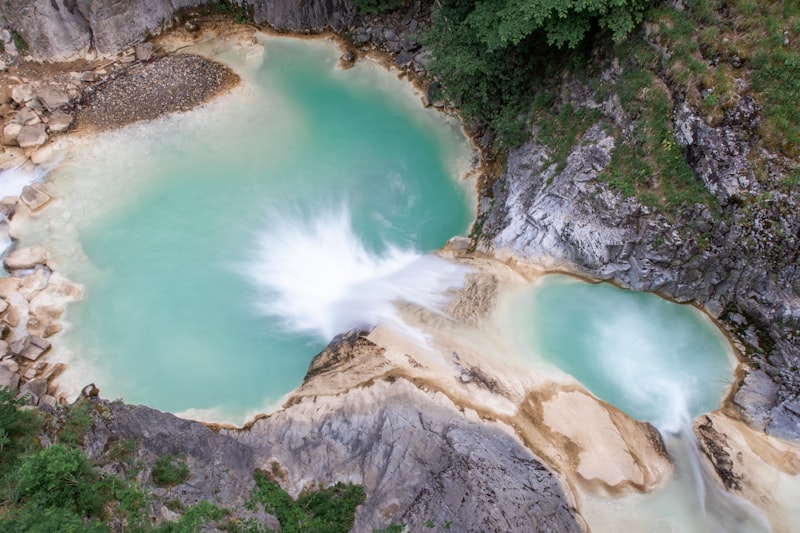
148	90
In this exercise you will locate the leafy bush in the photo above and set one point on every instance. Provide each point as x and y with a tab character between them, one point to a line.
330	510
169	471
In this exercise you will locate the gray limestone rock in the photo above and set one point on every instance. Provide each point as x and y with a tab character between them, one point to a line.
52	98
31	347
221	468
66	29
8	379
32	136
419	459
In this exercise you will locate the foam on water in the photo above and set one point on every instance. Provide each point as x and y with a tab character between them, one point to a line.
317	276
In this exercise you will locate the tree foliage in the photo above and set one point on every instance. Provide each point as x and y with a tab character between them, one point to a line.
487	53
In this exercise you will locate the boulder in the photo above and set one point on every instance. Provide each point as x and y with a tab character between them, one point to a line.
12	158
36	388
144	52
9	286
52	98
42	156
22	94
31	347
8	379
59	121
48	401
10	133
28	116
32	136
9	363
26	258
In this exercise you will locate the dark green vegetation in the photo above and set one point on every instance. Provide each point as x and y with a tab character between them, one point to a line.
169	471
505	64
57	488
377	6
328	510
489	54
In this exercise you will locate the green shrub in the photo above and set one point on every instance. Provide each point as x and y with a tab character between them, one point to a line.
169	471
330	510
377	6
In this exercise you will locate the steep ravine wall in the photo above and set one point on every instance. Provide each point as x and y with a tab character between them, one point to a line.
58	30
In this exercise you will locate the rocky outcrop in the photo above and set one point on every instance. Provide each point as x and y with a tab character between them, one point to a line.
419	459
221	468
65	29
740	264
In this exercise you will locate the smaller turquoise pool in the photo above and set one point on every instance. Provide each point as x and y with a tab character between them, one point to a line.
656	360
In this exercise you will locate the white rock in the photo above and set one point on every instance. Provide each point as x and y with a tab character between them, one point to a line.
26	258
52	98
45	154
31	347
32	136
28	116
12	158
59	122
22	94
10	133
8	379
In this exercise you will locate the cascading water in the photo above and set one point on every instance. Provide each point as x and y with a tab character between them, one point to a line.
12	182
317	276
655	360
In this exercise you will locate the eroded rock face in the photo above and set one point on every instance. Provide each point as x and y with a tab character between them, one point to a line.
221	468
303	15
419	459
65	29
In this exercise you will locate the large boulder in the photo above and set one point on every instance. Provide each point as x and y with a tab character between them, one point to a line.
32	136
31	347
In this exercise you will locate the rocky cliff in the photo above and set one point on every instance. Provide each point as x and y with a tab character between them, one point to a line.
58	30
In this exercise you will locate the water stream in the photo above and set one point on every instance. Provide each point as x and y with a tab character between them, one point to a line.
657	361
